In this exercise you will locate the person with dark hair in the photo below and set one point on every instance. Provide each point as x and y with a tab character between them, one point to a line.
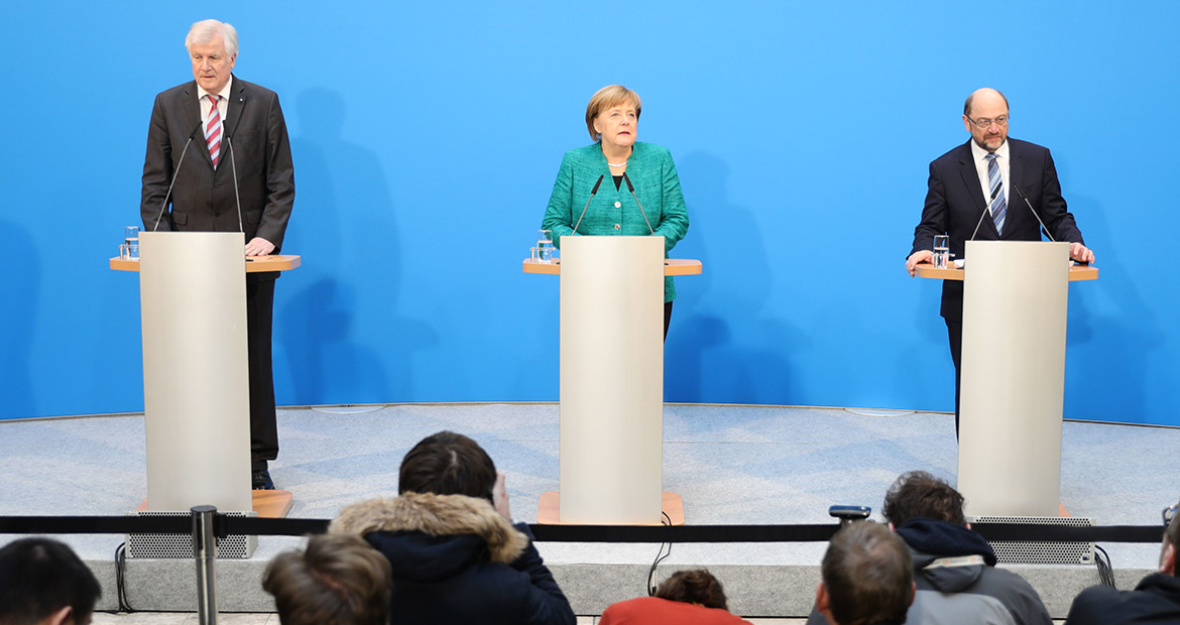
918	494
338	579
455	554
686	598
448	464
43	582
1156	600
954	567
867	577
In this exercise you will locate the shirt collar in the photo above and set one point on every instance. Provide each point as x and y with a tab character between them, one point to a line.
225	91
979	153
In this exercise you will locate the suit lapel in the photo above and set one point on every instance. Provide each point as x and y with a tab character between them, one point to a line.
234	108
1015	175
971	179
192	110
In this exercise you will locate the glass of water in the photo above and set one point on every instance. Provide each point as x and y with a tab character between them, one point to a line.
131	240
942	251
545	246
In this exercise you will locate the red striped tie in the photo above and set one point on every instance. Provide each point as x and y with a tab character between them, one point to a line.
213	130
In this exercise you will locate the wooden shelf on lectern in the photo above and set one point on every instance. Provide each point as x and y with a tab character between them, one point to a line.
1076	272
256	264
269	504
549	509
672	267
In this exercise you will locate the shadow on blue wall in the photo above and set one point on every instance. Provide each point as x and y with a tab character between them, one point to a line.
723	342
16	340
1122	329
340	340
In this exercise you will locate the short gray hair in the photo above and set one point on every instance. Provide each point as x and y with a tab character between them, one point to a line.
970	99
204	31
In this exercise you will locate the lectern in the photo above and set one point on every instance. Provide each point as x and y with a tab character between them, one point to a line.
195	375
612	381
1013	374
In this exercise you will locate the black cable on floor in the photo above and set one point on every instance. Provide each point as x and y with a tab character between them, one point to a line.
121	578
651	588
1105	568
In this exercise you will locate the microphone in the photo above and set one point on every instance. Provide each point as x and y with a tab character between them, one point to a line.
1030	208
593	192
632	190
176	173
234	168
986	211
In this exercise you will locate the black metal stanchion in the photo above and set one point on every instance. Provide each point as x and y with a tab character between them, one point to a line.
205	554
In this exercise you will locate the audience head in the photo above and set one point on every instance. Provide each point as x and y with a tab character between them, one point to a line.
867	577
338	579
696	586
920	494
1169	562
447	463
42	581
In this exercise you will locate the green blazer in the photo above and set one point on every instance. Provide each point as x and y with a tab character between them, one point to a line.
613	211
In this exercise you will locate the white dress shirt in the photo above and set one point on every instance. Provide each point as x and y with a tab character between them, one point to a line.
222	104
1002	159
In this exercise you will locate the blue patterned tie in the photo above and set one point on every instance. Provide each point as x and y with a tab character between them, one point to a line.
996	188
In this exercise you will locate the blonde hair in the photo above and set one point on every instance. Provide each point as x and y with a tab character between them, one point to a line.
607	97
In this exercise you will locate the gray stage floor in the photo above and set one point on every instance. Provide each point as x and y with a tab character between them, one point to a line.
731	465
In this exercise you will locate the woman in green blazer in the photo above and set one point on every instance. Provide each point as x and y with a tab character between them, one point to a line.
612	118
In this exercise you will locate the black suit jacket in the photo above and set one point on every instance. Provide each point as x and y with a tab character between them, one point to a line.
203	198
955	202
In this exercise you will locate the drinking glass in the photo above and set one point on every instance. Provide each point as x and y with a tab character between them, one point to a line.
942	251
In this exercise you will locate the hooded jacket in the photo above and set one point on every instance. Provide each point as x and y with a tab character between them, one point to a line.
954	569
456	560
958	584
1155	600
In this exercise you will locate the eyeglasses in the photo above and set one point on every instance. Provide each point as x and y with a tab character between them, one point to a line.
1169	513
1002	122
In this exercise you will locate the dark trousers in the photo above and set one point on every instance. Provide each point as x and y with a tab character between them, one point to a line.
667	318
264	433
954	332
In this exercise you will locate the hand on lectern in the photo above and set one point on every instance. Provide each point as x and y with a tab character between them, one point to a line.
259	246
1081	253
920	256
500	497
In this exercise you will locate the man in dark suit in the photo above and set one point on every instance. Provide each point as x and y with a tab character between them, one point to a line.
237	176
974	179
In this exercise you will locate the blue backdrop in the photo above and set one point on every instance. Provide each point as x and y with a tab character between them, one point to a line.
426	137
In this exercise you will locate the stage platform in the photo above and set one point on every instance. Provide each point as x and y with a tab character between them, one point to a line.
731	465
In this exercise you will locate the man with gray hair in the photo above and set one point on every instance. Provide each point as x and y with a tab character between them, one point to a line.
991	188
237	177
867	579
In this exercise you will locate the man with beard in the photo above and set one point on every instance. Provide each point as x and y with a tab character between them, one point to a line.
976	178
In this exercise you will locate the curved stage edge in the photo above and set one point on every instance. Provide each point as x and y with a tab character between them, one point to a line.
731	464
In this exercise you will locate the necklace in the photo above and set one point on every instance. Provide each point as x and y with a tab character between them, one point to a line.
624	163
